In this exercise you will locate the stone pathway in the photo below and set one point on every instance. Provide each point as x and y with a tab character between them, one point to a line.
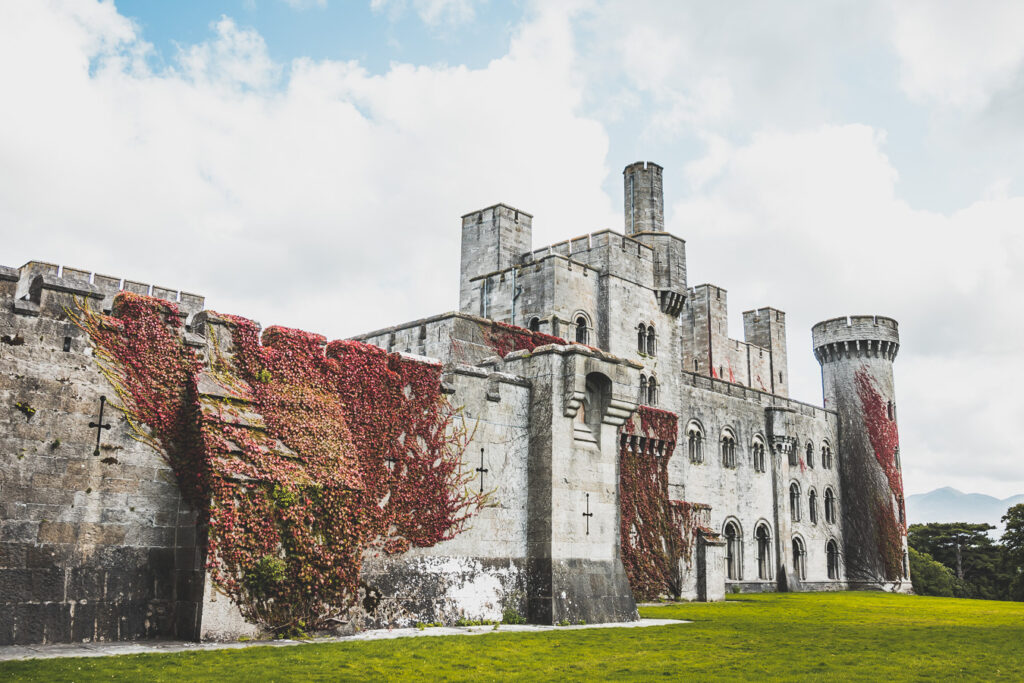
10	652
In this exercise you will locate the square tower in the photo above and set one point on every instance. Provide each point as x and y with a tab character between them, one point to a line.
493	240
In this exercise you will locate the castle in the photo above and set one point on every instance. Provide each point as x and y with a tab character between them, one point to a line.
625	446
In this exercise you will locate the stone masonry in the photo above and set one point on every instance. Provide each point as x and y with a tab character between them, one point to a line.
96	542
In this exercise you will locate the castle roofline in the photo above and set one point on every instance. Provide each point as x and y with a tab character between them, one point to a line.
494	206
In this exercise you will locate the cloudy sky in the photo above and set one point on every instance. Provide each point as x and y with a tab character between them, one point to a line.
305	162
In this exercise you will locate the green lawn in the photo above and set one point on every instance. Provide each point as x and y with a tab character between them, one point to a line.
863	636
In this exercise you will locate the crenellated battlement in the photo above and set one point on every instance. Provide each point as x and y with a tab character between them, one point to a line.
854	337
35	276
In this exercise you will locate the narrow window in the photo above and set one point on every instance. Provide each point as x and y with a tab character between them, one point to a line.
830	506
651	347
810	454
652	392
794	502
535	324
641	338
581	330
780	378
812	506
764	549
733	549
695	443
67	344
643	389
832	555
799	554
696	366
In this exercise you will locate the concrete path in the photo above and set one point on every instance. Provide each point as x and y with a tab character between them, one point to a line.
106	649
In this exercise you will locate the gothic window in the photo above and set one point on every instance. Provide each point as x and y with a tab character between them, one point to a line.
832	556
799	558
643	389
534	324
582	331
764	552
733	551
728	449
695	442
830	506
652	392
794	502
810	454
794	458
812	506
826	456
641	338
651	346
757	450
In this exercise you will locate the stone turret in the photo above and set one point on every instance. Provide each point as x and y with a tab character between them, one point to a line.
644	201
856	355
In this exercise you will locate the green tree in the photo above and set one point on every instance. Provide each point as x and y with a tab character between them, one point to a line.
930	577
967	550
1013	550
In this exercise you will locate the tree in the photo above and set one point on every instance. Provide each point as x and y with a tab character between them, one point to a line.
930	577
1013	550
968	551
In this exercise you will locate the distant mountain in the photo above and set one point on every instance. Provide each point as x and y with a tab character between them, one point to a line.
949	505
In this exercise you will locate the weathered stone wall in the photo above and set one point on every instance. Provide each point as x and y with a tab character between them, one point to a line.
94	545
856	356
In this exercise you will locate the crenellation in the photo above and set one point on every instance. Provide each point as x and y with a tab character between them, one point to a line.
91	544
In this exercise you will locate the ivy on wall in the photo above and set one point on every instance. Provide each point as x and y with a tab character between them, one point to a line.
505	338
884	438
299	457
656	532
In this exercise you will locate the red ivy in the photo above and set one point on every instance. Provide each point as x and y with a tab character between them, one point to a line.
505	338
656	533
885	442
311	459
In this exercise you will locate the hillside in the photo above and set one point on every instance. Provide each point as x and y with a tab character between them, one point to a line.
950	505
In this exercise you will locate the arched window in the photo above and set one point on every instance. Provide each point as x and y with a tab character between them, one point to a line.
582	330
794	501
733	551
810	454
641	338
728	449
799	558
651	345
695	442
764	552
757	454
652	392
812	506
830	506
832	555
534	324
826	456
643	389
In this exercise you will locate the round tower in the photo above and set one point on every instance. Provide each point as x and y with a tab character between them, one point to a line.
856	355
644	201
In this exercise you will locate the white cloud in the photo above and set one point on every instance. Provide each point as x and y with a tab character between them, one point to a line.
958	53
327	198
306	4
431	12
811	222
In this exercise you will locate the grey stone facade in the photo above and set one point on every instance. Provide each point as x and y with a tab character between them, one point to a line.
103	546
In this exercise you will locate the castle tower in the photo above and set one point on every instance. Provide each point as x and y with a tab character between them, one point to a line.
493	240
644	202
856	356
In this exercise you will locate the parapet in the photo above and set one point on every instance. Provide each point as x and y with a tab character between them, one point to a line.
105	287
856	336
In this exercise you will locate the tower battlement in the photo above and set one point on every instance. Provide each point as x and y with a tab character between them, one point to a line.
644	201
855	335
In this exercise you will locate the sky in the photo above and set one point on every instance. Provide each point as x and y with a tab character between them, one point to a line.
305	163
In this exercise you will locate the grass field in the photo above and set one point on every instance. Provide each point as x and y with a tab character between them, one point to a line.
847	636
